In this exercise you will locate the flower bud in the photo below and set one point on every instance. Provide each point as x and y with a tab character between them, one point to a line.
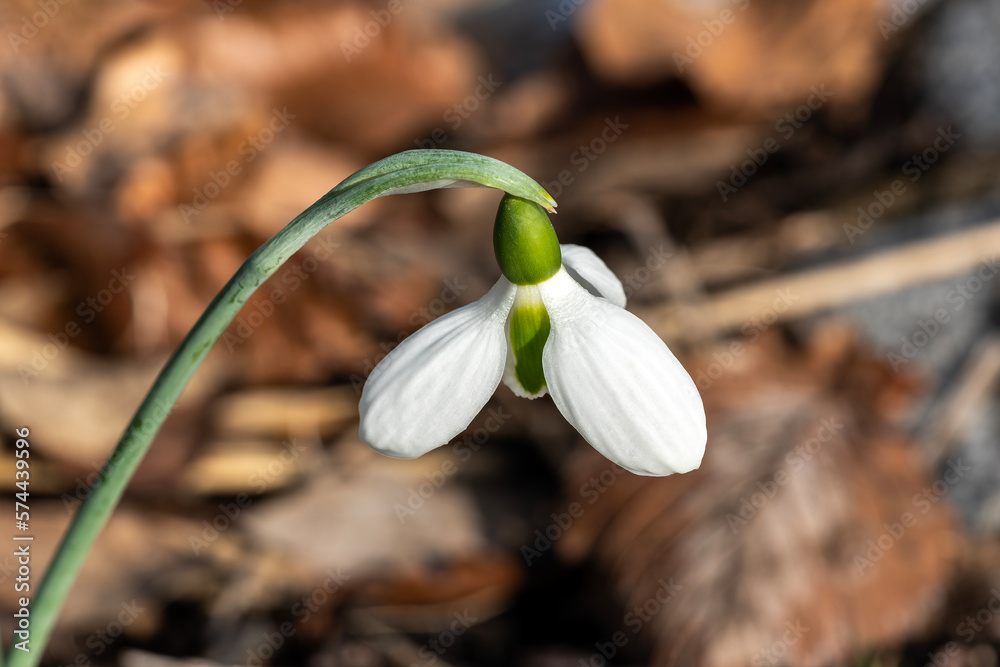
524	242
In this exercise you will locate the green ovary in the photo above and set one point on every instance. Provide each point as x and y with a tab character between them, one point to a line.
529	329
524	242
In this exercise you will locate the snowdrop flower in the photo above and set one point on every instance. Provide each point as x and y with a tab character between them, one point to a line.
554	323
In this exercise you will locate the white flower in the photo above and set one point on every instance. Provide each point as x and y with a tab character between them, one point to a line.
567	335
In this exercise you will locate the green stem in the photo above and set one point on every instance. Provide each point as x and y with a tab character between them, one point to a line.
410	171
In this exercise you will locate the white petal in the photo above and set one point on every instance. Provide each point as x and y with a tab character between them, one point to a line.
428	389
590	271
618	384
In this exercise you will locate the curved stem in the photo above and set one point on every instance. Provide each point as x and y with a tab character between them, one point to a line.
410	171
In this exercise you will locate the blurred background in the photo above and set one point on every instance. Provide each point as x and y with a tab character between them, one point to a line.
800	197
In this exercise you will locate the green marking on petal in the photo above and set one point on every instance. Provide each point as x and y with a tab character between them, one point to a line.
529	329
524	242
